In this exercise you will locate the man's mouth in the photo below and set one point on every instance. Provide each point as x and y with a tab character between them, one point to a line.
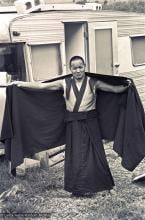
78	74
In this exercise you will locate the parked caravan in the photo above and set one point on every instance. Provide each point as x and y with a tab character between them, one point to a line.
37	46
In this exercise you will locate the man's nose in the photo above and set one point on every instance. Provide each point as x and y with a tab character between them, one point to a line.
78	70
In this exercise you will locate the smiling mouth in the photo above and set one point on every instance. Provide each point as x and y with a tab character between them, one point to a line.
79	74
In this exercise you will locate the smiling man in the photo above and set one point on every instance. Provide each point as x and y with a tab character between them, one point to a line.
86	167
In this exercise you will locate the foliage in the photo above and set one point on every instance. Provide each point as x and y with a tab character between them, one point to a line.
43	193
130	6
6	2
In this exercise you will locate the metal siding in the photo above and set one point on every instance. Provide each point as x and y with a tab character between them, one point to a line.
48	26
42	27
131	26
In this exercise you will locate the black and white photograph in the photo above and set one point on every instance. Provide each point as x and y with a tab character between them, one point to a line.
72	101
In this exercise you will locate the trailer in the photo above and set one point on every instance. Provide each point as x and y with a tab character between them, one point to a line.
38	45
114	41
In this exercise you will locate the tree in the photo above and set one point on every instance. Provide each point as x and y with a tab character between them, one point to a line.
6	2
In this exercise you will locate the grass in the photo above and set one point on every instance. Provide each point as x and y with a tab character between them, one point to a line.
42	192
129	6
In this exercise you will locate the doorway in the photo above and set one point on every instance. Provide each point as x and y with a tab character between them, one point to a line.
75	41
103	53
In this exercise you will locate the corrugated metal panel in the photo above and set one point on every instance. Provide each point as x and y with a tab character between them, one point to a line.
139	80
128	23
49	26
131	26
41	27
33	26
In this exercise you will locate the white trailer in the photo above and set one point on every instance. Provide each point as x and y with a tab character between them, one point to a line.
37	46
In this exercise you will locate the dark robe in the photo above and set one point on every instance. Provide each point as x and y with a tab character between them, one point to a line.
86	168
34	121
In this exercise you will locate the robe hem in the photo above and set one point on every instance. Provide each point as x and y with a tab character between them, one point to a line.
90	191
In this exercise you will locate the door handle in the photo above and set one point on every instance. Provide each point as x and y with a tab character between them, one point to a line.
116	65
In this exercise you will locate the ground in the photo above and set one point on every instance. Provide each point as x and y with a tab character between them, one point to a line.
41	191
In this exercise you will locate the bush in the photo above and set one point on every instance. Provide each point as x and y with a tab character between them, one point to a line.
6	2
131	6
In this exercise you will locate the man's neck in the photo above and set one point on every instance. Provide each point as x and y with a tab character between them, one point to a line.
79	81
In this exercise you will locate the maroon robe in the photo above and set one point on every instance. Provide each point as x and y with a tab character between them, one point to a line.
86	167
34	121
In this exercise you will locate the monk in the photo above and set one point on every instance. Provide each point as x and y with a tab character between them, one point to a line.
86	169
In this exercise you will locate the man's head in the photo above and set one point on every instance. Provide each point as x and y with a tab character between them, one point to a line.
77	67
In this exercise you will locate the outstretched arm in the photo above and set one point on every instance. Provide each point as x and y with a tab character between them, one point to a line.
111	88
56	85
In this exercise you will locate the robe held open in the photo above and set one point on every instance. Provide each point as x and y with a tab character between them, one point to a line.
34	121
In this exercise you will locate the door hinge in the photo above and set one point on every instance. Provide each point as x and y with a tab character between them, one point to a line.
86	35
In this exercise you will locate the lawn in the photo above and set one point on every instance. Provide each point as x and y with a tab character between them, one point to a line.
41	192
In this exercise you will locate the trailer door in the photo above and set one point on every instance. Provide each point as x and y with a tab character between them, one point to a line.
103	53
75	41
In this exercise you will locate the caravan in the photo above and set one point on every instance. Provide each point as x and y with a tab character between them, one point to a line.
37	46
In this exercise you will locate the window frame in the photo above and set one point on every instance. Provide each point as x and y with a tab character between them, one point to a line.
132	51
17	44
30	61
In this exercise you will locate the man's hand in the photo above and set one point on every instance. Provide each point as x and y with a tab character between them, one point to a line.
18	83
128	82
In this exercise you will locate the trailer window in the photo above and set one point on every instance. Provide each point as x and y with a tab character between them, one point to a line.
138	50
12	61
46	61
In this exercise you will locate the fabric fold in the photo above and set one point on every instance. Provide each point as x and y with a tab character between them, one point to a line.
36	121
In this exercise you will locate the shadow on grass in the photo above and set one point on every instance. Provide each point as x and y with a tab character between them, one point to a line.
139	183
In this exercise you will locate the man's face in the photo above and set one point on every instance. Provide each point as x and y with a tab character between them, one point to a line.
78	69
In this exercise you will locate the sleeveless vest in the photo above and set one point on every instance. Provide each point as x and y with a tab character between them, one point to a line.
70	84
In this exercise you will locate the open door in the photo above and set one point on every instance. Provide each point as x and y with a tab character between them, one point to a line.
75	40
103	51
